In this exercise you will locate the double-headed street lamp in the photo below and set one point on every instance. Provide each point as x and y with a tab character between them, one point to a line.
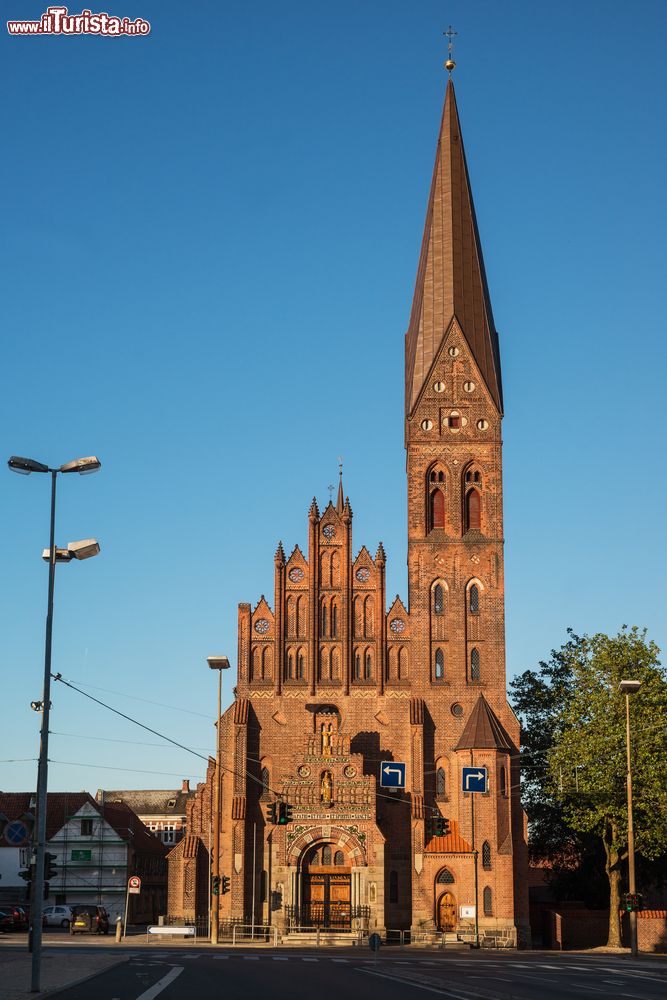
218	663
627	688
75	550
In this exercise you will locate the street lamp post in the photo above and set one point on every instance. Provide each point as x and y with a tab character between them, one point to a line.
218	663
628	688
76	550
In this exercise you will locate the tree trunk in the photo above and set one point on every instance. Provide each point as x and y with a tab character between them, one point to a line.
613	869
614	876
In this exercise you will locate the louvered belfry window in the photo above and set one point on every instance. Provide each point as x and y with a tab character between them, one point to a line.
473	511
437	509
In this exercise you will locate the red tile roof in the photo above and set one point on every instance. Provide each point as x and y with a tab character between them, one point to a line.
453	843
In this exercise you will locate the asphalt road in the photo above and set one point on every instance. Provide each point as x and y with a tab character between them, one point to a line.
353	975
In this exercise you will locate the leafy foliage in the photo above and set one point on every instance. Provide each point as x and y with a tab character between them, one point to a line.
575	755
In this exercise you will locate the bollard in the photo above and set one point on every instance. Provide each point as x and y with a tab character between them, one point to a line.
119	928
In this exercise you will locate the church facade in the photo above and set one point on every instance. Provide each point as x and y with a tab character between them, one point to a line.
334	686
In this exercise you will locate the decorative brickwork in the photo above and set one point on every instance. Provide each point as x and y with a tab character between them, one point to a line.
331	684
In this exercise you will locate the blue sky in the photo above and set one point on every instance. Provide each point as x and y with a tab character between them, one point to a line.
209	244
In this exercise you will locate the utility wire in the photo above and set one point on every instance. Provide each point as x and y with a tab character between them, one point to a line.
109	767
134	697
109	739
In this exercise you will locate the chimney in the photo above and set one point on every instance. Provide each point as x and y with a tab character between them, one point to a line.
186	785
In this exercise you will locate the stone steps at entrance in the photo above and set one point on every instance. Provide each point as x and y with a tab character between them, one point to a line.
327	939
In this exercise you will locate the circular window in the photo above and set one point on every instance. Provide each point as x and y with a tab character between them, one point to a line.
363	575
296	574
482	425
261	626
328	531
397	624
426	425
469	386
439	386
457	710
453	352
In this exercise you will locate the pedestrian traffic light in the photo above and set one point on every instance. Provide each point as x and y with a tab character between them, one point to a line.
50	870
27	874
225	884
215	885
440	826
634	902
272	813
46	890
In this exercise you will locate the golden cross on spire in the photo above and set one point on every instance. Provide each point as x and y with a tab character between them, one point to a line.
449	35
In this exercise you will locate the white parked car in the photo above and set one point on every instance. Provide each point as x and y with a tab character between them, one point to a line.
57	916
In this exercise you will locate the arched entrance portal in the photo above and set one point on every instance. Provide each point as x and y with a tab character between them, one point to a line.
446	912
326	882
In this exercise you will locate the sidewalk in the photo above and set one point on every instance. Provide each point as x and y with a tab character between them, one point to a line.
59	969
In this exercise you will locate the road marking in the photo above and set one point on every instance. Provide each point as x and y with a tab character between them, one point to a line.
309	959
276	958
585	986
251	958
220	958
162	984
421	986
340	960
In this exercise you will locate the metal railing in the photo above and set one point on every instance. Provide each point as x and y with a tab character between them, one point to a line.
339	917
255	933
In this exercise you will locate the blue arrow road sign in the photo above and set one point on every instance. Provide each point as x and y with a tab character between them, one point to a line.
392	774
474	779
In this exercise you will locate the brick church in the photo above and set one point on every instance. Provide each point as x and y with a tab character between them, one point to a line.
334	686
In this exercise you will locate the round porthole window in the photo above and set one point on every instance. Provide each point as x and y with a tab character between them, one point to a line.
482	425
469	386
453	351
439	386
427	425
457	710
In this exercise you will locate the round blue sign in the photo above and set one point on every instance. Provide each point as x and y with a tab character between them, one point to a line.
16	833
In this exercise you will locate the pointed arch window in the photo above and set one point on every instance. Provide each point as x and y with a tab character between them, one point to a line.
475	669
393	887
473	598
334	664
437	511
439	665
438	599
290	666
300	666
368	665
473	511
445	877
324	619
334	620
488	901
440	784
486	855
326	855
402	664
266	782
357	666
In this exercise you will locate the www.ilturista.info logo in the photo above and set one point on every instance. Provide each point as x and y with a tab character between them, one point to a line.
57	21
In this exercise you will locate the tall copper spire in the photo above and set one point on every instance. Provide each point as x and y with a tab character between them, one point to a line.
450	279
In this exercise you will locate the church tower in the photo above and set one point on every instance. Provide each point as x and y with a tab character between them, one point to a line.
336	691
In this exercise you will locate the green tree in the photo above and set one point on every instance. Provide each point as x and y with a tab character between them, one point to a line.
574	755
587	760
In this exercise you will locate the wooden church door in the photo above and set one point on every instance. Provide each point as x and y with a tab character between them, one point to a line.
446	912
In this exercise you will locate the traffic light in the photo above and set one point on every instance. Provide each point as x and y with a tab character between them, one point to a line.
225	884
50	870
634	902
284	814
46	890
215	885
440	826
272	813
28	875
